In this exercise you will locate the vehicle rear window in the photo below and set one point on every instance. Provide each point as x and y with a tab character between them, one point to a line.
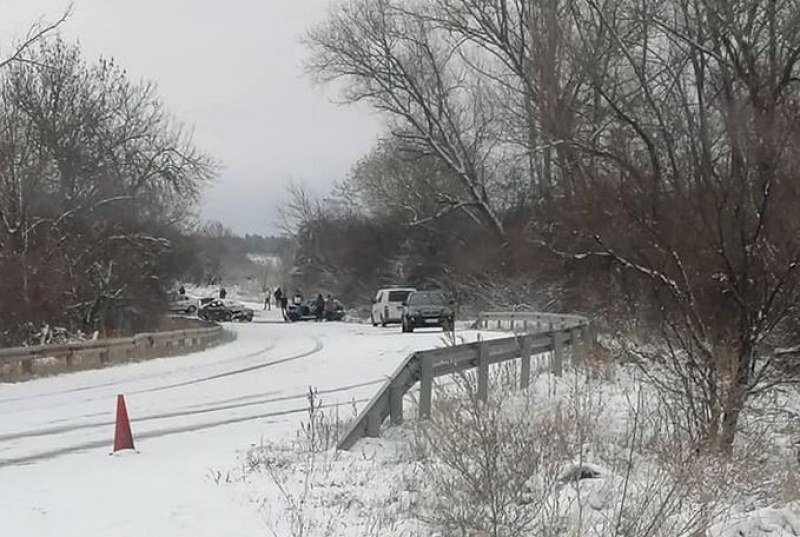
398	296
421	299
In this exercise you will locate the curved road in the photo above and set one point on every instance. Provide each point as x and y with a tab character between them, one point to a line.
192	417
262	376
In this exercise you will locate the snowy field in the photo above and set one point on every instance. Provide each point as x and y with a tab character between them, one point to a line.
190	415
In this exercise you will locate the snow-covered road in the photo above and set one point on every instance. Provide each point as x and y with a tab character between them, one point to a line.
190	416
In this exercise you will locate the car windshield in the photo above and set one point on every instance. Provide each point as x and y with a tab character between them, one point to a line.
398	296
422	299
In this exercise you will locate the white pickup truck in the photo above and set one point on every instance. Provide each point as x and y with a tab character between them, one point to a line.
387	306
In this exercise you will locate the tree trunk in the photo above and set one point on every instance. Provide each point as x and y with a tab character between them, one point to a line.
730	418
736	398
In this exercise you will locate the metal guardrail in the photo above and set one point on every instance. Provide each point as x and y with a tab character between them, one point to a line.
21	362
528	320
424	366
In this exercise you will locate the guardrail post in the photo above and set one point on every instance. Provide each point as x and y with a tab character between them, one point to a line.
425	385
588	334
558	354
396	404
525	356
576	340
483	372
373	428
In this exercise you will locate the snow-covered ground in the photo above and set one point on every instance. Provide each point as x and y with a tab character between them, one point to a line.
590	453
221	448
190	416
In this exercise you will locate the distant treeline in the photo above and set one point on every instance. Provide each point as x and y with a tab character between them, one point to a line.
258	244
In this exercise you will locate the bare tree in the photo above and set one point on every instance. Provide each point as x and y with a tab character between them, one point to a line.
35	34
404	66
542	67
94	176
698	189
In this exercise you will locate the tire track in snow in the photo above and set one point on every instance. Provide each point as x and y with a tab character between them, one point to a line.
182	413
318	346
209	407
51	454
135	379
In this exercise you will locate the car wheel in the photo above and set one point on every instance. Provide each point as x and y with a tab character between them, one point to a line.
190	310
228	316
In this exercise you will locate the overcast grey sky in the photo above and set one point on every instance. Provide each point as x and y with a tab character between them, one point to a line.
232	70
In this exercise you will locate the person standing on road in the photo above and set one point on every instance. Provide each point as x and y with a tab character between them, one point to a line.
267	301
330	308
319	307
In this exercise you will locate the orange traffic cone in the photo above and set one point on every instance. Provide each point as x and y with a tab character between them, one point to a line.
123	438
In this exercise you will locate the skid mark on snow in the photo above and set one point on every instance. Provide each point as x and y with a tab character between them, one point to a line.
208	408
318	346
51	454
137	378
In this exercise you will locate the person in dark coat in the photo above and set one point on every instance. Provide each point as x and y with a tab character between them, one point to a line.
222	292
319	307
280	299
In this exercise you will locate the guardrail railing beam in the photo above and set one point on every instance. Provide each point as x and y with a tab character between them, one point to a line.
425	366
17	362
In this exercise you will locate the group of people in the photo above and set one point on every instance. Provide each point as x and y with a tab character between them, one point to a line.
321	308
281	300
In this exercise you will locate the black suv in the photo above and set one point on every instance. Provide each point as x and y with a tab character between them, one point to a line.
427	308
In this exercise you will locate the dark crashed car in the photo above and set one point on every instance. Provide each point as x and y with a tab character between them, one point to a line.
425	309
220	309
305	312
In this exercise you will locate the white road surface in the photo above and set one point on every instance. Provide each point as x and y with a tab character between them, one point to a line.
190	416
